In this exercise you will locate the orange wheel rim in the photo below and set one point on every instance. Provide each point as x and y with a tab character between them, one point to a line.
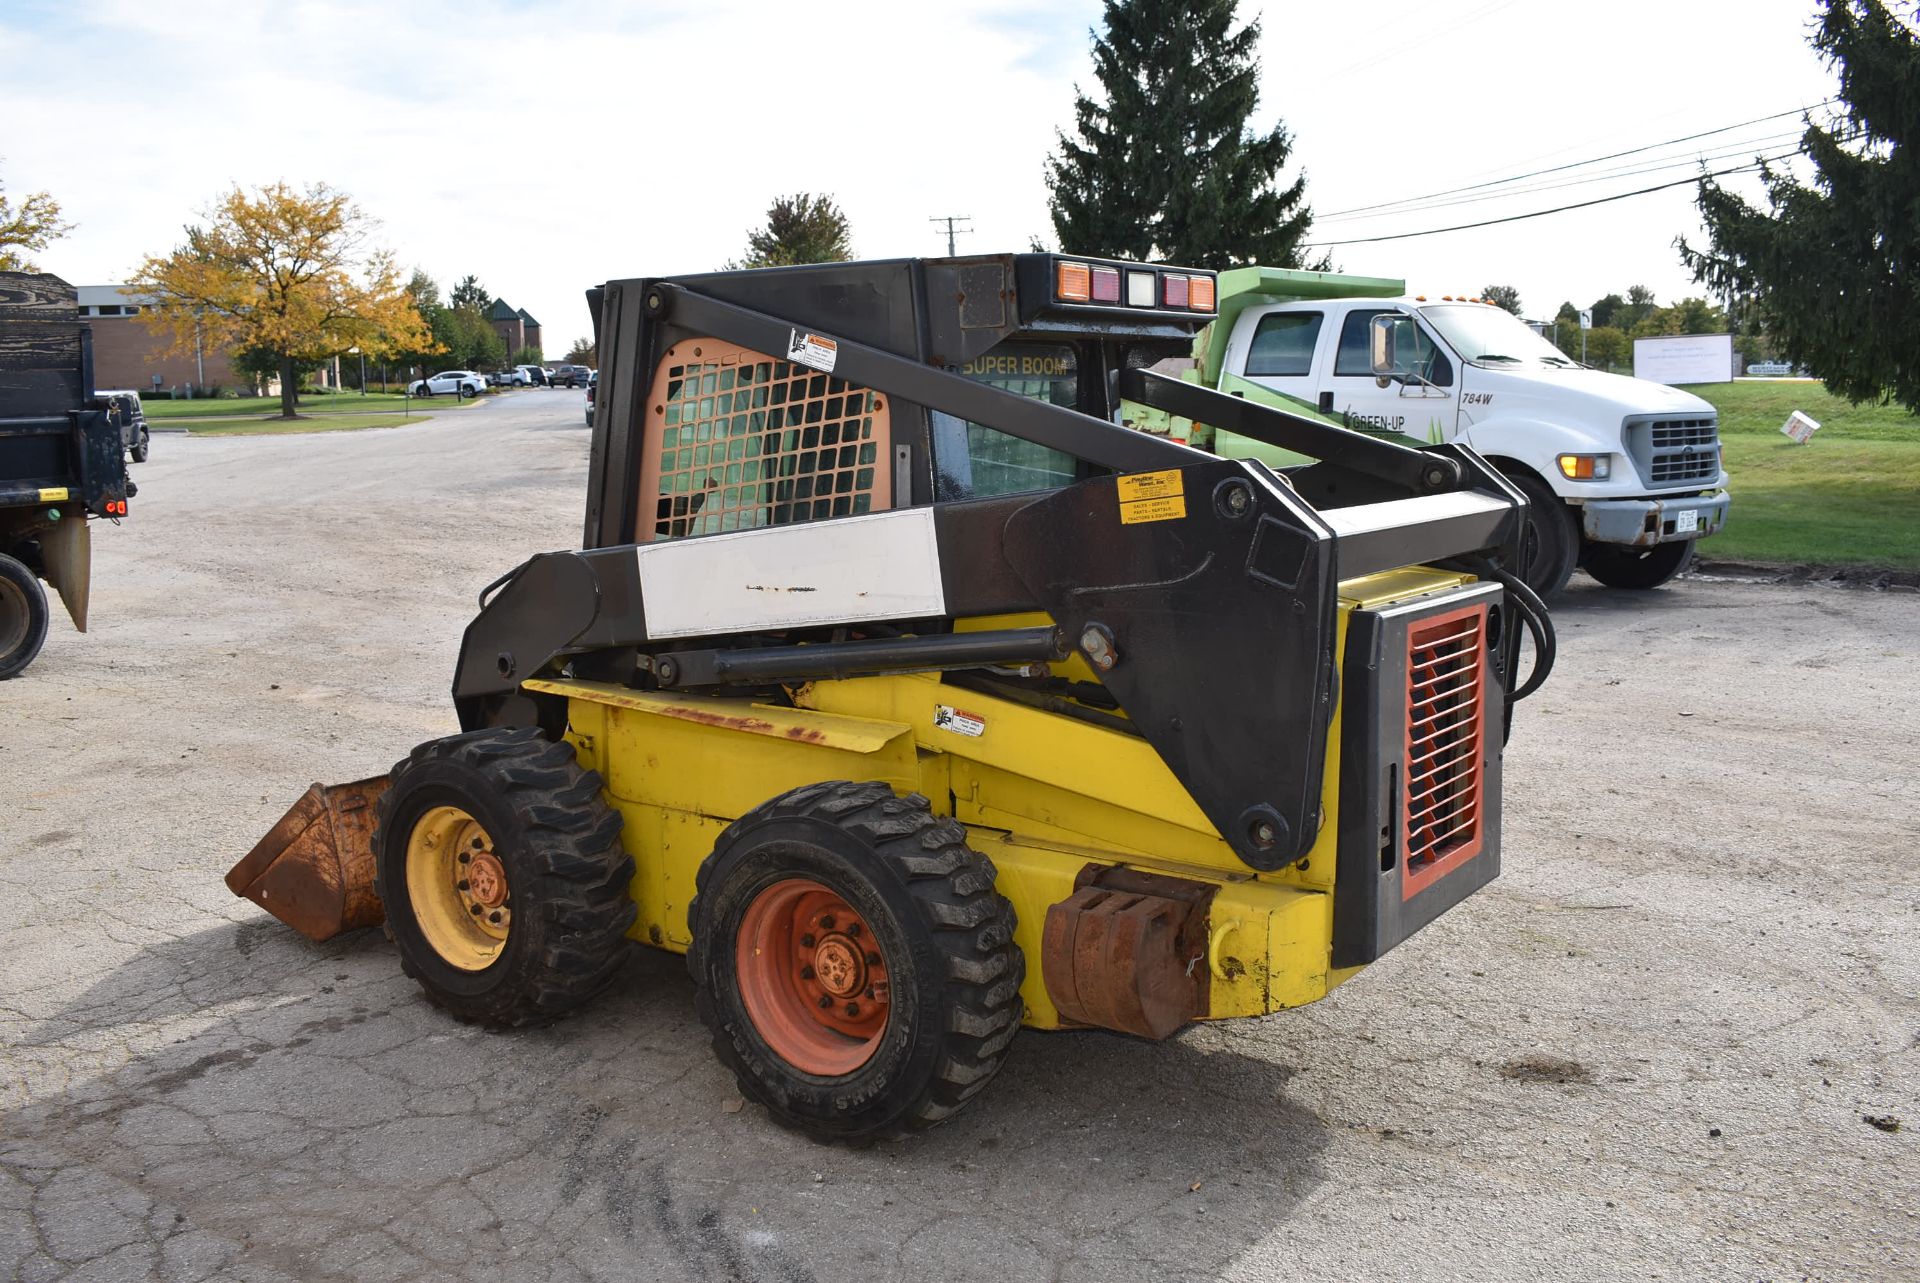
812	977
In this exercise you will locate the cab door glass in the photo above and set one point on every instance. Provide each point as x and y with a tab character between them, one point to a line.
1283	345
1415	353
973	461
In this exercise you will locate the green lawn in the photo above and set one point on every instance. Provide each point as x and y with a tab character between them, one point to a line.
331	403
1850	496
318	423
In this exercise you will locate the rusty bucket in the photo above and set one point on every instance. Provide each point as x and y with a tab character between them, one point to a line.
314	869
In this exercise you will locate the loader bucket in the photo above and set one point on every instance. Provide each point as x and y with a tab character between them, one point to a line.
314	869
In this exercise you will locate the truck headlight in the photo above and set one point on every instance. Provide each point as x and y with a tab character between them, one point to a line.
1586	467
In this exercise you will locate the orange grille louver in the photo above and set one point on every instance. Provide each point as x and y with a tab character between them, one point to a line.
1443	808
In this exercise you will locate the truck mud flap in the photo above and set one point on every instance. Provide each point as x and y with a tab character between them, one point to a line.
314	868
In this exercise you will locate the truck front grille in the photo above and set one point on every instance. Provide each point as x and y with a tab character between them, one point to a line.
1442	811
1672	452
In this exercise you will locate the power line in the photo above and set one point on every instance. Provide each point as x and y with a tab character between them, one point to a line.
1687	161
1579	164
1542	213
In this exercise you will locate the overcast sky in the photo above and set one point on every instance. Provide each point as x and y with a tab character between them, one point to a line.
548	146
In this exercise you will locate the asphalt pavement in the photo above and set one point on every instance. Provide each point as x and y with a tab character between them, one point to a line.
1678	1039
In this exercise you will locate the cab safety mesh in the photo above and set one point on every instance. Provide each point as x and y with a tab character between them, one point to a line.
736	439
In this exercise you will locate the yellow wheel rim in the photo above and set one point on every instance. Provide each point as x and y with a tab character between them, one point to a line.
458	888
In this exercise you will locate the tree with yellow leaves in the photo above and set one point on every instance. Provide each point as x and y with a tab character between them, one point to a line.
31	225
289	272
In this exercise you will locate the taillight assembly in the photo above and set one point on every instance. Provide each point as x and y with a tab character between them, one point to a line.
1140	289
1173	290
1200	293
115	507
1106	285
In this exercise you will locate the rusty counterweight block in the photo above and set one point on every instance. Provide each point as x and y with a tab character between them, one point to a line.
1127	951
314	869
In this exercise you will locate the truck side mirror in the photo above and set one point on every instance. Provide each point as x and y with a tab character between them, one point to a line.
1382	331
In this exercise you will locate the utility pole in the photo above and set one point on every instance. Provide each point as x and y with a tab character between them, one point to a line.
952	221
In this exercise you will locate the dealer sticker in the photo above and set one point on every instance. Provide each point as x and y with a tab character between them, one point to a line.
958	720
1151	496
815	351
1686	521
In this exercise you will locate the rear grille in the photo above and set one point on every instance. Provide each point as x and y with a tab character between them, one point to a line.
1446	699
1671	452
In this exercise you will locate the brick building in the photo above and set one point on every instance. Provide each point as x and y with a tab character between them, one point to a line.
515	326
126	354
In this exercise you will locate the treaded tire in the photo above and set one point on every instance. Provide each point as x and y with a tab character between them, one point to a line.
1618	567
946	934
1550	534
559	842
23	617
141	447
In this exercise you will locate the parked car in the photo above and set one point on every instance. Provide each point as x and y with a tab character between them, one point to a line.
570	376
522	376
461	382
124	408
593	385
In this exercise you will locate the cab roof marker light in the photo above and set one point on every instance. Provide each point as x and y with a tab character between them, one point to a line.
1200	293
1073	283
1106	284
1173	290
1141	291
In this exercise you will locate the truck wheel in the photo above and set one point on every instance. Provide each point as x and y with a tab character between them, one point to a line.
23	617
853	961
1553	545
141	447
503	877
1621	567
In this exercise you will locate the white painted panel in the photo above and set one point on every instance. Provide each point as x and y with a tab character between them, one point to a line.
847	570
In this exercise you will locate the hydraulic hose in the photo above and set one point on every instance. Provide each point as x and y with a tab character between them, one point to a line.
1533	613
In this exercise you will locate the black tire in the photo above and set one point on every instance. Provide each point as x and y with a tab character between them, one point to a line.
1553	542
468	390
141	447
426	390
945	933
23	617
566	873
1621	567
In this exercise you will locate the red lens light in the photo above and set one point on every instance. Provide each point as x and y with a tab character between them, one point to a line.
1106	285
1173	291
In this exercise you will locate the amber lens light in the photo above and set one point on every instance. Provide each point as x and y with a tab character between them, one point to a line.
1200	293
1106	285
1585	467
1073	283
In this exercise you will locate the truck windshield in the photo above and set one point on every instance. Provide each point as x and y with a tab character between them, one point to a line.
1492	336
973	461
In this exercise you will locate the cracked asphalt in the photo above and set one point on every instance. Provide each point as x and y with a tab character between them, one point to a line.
1650	1050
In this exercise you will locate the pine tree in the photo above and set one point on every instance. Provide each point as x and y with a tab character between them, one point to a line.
1169	166
1835	268
800	229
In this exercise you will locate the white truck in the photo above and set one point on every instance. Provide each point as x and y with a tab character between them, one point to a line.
1623	475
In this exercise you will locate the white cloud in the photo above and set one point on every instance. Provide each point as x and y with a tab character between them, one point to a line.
549	147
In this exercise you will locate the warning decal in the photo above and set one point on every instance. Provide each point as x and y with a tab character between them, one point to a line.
958	720
815	351
1151	496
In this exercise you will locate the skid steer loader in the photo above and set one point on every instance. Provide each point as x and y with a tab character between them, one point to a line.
914	697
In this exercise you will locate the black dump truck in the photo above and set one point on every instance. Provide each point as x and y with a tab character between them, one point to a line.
62	461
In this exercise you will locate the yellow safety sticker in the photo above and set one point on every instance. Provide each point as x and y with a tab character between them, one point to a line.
1151	496
55	494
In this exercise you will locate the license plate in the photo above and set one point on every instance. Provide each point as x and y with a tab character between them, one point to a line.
1686	521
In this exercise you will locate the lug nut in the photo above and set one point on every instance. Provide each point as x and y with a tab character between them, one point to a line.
873	959
465	858
826	923
464	885
476	910
853	928
853	1009
825	1002
806	941
494	916
806	973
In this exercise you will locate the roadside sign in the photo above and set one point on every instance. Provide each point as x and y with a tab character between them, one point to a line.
1586	319
1799	427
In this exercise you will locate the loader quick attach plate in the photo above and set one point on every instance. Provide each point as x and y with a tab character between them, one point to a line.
1211	588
